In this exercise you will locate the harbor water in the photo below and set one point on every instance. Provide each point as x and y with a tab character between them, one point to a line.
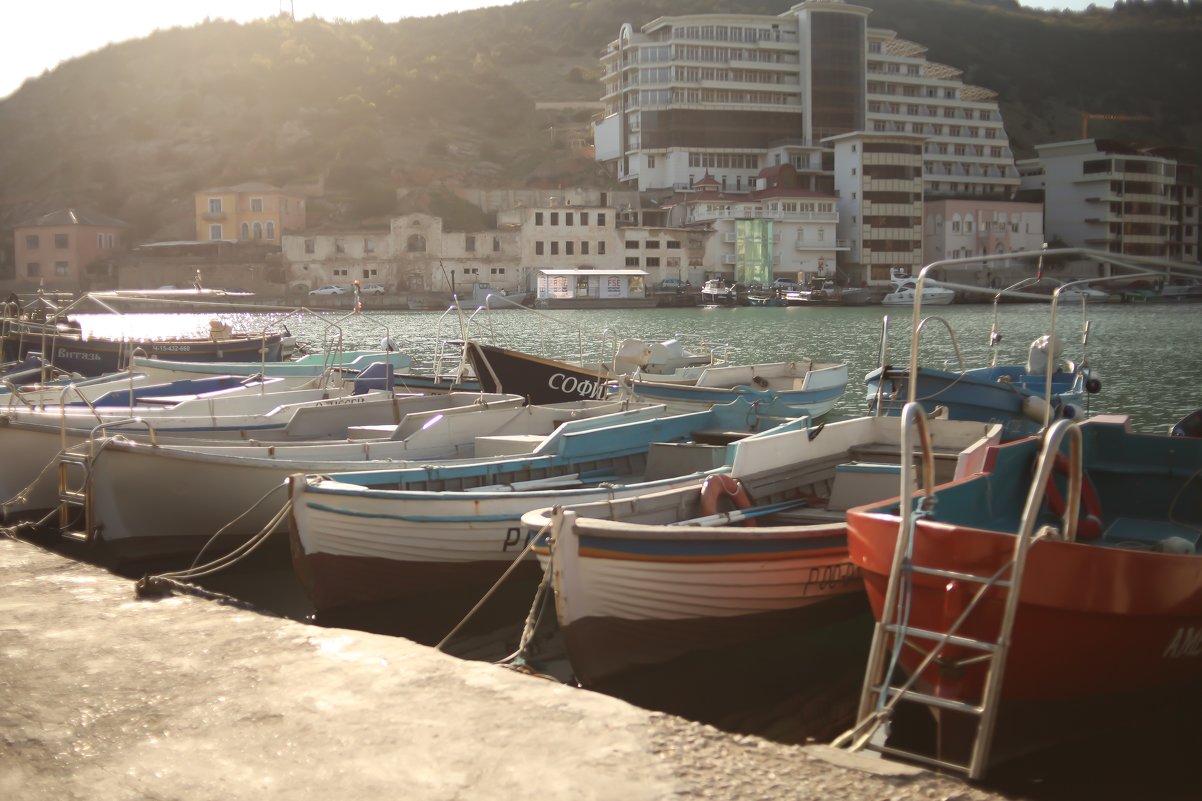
1149	357
1149	361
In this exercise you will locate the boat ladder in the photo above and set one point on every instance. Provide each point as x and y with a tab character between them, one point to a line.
885	686
74	474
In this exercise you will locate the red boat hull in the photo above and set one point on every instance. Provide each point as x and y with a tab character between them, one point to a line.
1093	622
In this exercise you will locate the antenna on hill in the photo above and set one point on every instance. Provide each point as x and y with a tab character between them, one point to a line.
291	8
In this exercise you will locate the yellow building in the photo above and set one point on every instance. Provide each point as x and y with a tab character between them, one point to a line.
247	212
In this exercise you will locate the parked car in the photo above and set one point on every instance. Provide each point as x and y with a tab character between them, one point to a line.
785	285
328	289
372	289
671	285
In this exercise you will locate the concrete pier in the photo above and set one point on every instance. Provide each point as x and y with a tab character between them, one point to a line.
106	696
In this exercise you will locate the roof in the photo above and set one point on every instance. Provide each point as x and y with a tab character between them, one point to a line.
73	217
250	186
592	272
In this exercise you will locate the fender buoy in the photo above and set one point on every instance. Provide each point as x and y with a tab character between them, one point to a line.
715	488
1089	522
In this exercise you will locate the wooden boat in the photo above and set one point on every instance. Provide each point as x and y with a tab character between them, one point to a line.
1052	592
650	578
388	535
62	345
546	380
791	389
141	498
794	388
249	411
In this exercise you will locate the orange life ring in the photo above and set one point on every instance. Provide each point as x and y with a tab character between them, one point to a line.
715	488
1089	522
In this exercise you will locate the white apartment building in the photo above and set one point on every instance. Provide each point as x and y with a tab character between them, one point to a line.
730	94
562	236
957	228
878	180
1107	196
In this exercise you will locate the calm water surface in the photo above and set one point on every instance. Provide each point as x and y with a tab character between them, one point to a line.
1149	357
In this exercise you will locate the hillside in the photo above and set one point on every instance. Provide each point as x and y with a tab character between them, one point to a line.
358	109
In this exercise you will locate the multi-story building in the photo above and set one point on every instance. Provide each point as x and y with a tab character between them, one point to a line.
878	178
67	250
558	235
1105	195
775	231
249	211
958	228
415	255
730	94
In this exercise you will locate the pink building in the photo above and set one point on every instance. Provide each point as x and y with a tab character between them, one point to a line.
965	227
67	251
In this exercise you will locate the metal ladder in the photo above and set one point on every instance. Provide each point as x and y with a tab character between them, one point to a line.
883	688
73	496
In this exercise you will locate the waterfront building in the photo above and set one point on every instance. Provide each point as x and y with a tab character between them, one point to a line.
1106	195
66	250
414	255
878	180
248	211
730	94
777	230
956	228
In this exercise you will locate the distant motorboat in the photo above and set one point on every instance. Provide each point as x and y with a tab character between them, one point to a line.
903	290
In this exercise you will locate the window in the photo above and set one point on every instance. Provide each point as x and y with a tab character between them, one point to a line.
416	244
497	271
31	242
339	245
538	218
538	248
632	261
246	230
270	229
653	261
632	244
584	248
369	245
554	248
258	230
310	246
214	232
341	271
600	248
62	268
584	218
61	241
652	244
567	218
33	269
673	244
256	204
650	162
496	244
469	244
600	218
569	248
555	218
214	205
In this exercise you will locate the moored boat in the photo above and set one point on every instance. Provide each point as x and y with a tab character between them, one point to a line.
388	535
648	579
1054	592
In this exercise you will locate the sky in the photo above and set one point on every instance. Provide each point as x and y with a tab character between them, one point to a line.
42	33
